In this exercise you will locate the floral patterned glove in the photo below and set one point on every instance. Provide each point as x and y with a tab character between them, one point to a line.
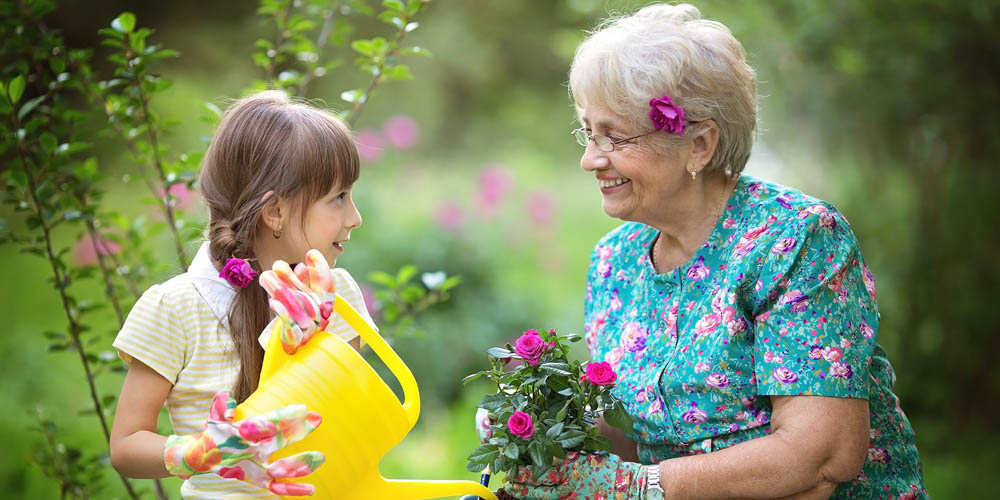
303	299
240	450
483	423
582	476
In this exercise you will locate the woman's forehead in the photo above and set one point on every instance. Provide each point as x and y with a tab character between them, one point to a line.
600	116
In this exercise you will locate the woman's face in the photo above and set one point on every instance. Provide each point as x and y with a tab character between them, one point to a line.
637	182
327	225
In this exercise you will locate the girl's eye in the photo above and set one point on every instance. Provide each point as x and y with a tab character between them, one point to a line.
340	198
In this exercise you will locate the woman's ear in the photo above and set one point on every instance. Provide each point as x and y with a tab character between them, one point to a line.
703	146
275	211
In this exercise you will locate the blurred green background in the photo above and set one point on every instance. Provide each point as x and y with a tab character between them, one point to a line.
889	109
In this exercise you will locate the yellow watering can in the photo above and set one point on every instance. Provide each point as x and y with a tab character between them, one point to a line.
362	418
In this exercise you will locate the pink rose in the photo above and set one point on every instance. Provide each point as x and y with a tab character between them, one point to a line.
666	115
530	347
601	373
238	273
520	425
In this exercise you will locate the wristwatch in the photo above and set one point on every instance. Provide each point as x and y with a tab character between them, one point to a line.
653	489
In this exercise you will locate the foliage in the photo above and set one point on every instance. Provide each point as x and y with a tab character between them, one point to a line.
400	300
55	110
562	398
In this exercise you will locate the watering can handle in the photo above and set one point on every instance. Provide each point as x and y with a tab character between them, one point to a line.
275	356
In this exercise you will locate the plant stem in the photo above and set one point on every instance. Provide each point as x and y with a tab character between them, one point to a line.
74	327
324	35
360	102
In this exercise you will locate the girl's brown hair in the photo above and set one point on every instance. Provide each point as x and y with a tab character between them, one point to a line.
266	143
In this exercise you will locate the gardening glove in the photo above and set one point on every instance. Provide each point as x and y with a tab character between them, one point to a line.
241	450
582	476
302	299
483	423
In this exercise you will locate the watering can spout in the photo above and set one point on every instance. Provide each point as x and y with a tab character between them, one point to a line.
412	489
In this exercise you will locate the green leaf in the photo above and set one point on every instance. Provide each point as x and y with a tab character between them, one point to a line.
48	142
417	51
571	438
383	278
560	385
399	73
393	4
618	417
511	451
538	454
124	23
364	47
492	402
483	455
29	105
596	443
555	368
473	377
555	430
15	89
406	273
499	353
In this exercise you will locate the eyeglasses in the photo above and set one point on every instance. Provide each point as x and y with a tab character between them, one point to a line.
603	142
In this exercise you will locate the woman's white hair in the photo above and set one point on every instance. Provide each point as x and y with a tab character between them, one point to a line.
670	50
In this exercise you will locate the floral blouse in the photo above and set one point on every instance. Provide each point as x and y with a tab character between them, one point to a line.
778	301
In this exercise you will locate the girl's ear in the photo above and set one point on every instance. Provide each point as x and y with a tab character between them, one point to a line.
275	211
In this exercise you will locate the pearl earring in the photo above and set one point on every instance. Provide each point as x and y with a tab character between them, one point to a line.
693	174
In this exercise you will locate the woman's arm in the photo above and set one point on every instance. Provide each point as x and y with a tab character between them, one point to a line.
136	448
621	445
815	443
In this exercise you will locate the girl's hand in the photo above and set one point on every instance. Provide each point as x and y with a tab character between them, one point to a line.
241	450
302	299
582	476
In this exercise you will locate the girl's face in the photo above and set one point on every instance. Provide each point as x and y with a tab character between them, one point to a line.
326	227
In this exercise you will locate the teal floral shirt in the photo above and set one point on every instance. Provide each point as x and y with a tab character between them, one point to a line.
778	301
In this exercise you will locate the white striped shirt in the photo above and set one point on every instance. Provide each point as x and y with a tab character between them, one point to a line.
180	329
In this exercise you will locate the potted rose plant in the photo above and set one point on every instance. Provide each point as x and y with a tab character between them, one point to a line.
545	405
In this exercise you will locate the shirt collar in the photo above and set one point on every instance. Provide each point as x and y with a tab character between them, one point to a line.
217	292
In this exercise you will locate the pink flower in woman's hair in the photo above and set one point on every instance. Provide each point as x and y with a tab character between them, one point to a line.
85	251
450	216
666	115
530	346
520	425
369	145
540	206
494	182
402	131
601	373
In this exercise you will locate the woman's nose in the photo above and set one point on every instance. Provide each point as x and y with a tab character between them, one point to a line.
593	158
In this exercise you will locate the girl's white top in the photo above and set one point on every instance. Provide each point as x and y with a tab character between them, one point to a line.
180	329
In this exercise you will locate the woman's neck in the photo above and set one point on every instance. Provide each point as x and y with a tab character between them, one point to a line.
684	229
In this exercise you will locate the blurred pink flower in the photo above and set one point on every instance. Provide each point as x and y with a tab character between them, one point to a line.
183	197
494	182
369	145
540	207
371	303
450	216
402	131
85	253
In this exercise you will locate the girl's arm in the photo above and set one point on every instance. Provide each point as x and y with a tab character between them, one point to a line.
136	448
815	443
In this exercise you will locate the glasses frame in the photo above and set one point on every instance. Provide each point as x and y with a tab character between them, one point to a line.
611	144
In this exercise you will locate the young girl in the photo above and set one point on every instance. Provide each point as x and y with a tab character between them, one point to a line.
277	180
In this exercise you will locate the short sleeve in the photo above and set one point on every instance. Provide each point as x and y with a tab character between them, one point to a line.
816	317
348	289
154	335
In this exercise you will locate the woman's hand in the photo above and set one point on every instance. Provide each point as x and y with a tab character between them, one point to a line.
241	450
302	299
582	476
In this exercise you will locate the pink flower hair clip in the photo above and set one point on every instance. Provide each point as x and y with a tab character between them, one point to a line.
666	115
238	272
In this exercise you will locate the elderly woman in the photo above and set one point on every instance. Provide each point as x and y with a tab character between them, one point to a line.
739	314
